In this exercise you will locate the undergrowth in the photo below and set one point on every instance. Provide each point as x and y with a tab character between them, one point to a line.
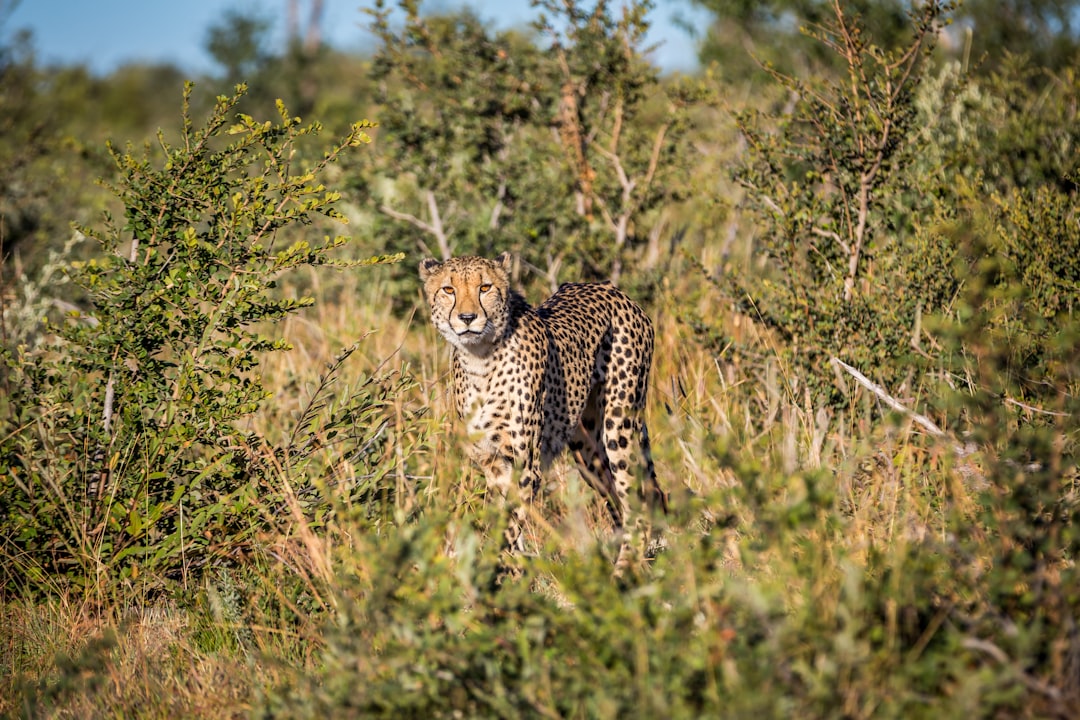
231	483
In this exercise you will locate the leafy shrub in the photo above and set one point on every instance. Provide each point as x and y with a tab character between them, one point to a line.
476	126
810	625
125	454
1012	346
836	193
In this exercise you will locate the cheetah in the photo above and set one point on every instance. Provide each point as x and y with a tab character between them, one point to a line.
531	383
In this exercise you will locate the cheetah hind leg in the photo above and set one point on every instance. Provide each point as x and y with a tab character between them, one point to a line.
624	436
650	491
593	465
593	453
602	437
591	459
639	536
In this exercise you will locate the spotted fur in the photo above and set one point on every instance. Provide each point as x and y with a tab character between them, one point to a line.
530	383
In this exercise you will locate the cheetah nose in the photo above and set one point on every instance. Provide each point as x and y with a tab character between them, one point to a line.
466	318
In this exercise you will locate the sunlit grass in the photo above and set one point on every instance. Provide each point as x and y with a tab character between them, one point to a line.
787	550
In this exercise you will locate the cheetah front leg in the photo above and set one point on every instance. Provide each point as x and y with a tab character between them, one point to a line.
506	435
499	473
511	477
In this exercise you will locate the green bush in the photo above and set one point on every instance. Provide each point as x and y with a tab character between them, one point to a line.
1011	351
304	560
834	187
805	629
127	452
476	126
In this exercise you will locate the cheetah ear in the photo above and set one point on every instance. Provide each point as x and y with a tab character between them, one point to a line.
428	266
506	260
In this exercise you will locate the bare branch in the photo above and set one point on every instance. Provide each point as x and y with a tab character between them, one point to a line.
625	182
440	234
773	205
892	402
654	158
434	228
822	232
995	652
496	211
313	36
406	217
607	214
1032	408
107	412
616	131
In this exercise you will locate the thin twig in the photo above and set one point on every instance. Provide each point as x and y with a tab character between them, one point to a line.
625	182
440	234
654	157
106	414
496	211
433	230
1032	408
999	655
411	219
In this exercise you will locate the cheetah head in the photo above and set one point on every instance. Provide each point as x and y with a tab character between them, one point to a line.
468	299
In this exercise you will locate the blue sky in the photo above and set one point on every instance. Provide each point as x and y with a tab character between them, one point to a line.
107	33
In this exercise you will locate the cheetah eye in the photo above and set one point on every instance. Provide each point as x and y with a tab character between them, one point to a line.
448	289
485	287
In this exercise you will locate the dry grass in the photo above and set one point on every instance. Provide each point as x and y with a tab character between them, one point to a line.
707	419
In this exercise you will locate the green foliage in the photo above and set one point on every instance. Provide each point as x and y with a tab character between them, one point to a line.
75	676
772	32
457	102
1036	128
987	31
124	451
819	562
806	629
238	44
1043	30
834	190
39	158
1038	235
1013	343
52	146
476	125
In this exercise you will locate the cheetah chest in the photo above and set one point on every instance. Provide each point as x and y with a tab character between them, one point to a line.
499	397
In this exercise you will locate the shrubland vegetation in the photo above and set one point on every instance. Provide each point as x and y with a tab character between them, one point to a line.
230	480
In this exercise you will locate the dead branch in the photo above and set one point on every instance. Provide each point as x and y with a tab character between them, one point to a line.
654	157
436	220
822	232
1032	408
434	228
889	400
1000	656
496	211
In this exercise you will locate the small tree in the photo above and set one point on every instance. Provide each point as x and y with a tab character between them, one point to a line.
238	44
564	151
459	104
835	193
624	150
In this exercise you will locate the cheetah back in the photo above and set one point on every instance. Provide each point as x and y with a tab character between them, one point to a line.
601	345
